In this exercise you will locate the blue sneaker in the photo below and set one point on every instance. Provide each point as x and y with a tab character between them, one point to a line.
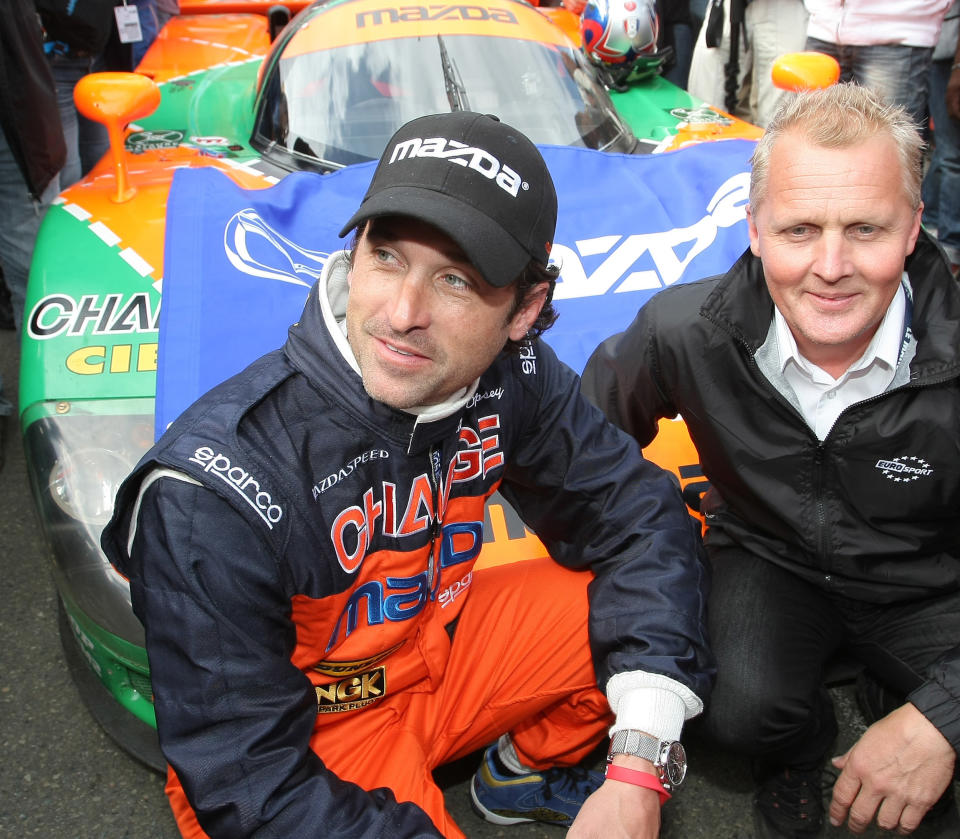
553	796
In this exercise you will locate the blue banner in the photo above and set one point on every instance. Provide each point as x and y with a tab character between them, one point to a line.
239	263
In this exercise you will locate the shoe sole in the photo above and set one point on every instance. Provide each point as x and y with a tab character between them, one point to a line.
489	815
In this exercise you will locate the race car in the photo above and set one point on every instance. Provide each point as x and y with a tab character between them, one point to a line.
255	93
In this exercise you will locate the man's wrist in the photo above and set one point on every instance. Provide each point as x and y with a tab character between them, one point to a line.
667	757
637	778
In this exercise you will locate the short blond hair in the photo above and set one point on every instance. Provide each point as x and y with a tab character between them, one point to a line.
838	117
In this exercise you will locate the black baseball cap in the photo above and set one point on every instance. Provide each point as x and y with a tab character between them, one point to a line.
474	178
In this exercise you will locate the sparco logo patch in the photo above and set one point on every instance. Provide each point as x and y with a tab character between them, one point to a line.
353	693
905	469
241	482
462	155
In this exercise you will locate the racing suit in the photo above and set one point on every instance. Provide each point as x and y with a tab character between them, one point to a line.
869	514
302	558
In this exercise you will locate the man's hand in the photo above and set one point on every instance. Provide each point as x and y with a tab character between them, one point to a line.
619	810
896	771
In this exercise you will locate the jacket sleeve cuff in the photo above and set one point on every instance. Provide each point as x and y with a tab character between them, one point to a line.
941	707
652	703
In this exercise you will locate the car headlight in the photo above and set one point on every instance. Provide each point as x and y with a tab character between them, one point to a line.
77	455
83	484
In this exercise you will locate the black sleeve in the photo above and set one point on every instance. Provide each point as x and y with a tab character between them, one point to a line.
234	714
938	698
584	487
622	378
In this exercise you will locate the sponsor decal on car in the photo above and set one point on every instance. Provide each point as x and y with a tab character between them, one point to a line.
92	314
107	315
436	11
704	115
140	141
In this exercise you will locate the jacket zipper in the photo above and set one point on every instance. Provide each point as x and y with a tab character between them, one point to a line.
436	523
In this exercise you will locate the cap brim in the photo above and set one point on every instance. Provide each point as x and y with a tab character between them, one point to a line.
498	257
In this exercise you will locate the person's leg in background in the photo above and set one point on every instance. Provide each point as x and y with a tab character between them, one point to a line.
677	32
707	78
774	27
86	140
22	215
900	74
149	27
941	184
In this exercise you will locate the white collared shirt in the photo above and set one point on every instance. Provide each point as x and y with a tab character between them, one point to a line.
823	398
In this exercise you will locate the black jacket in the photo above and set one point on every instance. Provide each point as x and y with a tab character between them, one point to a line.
29	116
873	511
288	455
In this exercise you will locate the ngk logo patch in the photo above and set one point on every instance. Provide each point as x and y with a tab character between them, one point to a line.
352	693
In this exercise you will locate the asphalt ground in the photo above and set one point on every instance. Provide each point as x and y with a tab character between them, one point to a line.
62	777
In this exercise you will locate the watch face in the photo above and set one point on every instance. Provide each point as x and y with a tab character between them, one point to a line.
675	764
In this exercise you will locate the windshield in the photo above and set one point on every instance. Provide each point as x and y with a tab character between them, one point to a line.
341	106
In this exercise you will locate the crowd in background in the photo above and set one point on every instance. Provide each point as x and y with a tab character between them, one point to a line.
46	46
909	52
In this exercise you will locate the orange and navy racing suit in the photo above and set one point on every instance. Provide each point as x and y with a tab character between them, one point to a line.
302	559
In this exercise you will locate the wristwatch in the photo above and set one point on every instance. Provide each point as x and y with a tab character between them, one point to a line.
667	756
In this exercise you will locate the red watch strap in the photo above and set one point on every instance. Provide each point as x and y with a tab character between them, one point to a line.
637	778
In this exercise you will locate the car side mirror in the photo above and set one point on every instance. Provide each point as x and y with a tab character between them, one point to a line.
115	100
805	71
277	17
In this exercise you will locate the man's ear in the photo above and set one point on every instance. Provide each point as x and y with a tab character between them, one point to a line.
915	233
752	231
528	313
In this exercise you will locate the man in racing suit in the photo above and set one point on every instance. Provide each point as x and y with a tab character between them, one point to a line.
301	543
819	381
